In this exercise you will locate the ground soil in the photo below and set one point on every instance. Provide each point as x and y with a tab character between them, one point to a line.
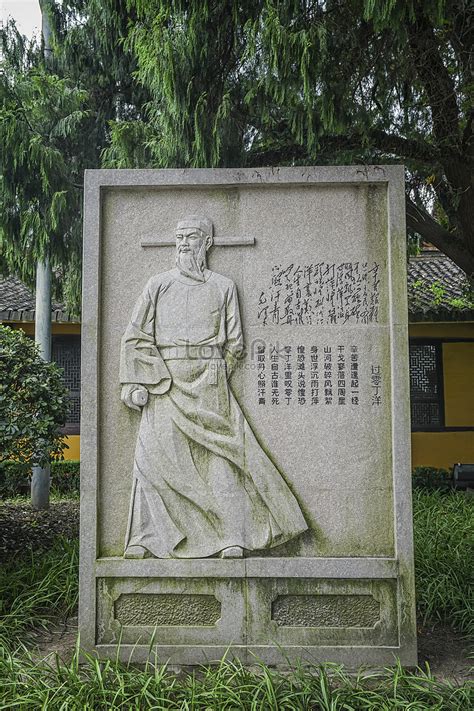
21	529
448	654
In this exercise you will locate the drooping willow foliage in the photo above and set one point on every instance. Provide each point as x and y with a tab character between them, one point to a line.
54	123
42	127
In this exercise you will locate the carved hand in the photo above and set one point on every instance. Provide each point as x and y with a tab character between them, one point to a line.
129	396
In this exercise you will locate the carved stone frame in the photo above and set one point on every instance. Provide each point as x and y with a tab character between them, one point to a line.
398	569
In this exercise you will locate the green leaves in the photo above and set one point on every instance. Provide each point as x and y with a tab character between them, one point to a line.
33	402
54	124
43	126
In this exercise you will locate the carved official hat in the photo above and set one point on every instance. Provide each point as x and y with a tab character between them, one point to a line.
202	223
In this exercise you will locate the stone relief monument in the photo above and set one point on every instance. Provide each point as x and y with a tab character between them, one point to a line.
245	439
202	483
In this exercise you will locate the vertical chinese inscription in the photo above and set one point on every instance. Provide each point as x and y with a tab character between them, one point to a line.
261	386
354	375
300	370
274	372
314	375
341	376
376	383
288	374
321	294
310	374
328	375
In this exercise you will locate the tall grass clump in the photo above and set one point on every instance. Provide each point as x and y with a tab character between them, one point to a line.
38	588
444	558
26	684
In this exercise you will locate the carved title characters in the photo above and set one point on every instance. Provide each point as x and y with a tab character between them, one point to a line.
202	484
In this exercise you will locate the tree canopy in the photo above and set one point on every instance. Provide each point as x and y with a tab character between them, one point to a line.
54	123
268	82
43	122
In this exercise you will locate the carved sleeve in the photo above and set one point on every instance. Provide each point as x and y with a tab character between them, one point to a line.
140	359
234	345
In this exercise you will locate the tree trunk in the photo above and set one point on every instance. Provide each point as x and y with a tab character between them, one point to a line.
41	475
40	479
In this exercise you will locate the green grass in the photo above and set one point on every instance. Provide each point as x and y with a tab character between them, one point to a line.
93	685
444	558
42	587
38	588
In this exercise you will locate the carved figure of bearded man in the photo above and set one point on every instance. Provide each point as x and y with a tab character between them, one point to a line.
202	484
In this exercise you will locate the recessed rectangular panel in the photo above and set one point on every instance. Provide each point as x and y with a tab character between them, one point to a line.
326	611
311	612
191	611
163	609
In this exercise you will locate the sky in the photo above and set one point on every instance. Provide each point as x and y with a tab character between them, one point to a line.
26	13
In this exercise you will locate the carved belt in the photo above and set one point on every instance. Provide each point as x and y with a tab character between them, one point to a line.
211	353
194	352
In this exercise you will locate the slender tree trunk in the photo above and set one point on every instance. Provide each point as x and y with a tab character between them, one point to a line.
40	480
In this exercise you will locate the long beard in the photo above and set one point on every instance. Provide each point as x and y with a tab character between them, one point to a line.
192	265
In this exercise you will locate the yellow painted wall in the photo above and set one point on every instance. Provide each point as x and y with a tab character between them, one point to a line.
58	329
458	375
443	449
73	442
441	330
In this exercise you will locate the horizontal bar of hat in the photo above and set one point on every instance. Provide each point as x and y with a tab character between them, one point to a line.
223	242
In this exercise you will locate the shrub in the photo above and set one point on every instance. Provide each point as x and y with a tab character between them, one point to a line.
65	476
33	403
15	481
431	478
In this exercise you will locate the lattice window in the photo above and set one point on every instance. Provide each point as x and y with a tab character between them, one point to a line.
426	386
67	354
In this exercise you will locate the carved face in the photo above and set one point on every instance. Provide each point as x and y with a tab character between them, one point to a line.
189	241
191	246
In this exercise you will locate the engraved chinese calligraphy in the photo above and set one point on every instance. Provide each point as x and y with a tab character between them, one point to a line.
321	294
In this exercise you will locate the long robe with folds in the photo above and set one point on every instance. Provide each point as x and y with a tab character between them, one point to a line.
201	480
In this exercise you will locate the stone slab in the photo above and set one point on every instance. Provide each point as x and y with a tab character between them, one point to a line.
333	238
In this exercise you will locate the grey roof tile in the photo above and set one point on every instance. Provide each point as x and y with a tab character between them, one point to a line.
436	287
17	303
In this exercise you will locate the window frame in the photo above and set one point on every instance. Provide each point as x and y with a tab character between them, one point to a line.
69	428
438	343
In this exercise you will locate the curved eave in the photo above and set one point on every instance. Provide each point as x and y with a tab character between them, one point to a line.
28	316
440	314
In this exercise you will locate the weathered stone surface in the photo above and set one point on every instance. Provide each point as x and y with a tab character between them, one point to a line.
326	611
316	259
167	609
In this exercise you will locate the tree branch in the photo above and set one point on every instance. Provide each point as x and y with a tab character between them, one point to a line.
436	80
421	222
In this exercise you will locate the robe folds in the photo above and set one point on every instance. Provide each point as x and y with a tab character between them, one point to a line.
201	480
